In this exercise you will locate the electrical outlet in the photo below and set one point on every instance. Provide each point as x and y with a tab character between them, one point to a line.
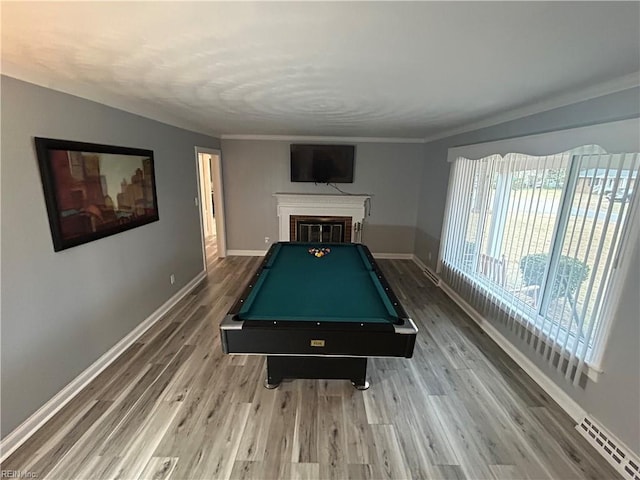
172	278
266	239
429	256
195	200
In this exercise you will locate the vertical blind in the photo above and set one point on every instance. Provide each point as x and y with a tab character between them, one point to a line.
532	242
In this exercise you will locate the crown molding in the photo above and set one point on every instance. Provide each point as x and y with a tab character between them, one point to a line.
612	86
301	138
153	113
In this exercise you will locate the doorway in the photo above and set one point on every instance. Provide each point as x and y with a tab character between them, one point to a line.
211	202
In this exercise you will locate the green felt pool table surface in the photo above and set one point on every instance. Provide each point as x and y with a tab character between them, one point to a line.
340	286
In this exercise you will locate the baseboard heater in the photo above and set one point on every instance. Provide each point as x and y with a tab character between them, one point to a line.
431	276
612	449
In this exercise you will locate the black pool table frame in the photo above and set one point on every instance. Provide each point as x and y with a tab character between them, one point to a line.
309	349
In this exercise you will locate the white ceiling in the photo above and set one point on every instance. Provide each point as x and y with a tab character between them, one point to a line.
368	69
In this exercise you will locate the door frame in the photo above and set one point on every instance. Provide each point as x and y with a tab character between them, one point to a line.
206	186
218	200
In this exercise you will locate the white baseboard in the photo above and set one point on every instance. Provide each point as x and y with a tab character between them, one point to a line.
421	265
393	256
569	405
27	428
246	253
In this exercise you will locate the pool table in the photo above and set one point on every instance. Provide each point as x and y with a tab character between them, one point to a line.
318	311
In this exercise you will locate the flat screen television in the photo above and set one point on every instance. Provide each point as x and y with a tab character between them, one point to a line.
322	163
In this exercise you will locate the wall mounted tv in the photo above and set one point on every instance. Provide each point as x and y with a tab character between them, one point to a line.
322	163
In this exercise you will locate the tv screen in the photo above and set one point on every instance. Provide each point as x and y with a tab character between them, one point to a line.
322	163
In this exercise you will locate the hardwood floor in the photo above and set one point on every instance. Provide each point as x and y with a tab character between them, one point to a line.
173	406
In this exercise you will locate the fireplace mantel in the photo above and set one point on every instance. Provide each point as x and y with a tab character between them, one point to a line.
321	205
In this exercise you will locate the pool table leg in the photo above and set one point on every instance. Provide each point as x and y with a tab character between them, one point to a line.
348	368
272	381
360	384
270	386
358	374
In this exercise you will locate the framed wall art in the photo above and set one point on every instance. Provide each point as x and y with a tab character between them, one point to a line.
93	191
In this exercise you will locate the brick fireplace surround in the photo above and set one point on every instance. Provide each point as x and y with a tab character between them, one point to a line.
296	220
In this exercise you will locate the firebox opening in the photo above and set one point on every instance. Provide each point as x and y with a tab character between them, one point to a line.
320	229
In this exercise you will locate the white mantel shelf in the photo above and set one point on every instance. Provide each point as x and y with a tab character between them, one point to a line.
314	198
317	204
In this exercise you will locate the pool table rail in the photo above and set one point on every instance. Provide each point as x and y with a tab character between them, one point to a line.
317	338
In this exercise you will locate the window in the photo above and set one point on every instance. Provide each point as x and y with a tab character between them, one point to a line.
533	241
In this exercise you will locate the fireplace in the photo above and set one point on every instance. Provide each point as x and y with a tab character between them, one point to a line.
319	216
335	229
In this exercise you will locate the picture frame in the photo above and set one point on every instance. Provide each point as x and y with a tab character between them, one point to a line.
94	191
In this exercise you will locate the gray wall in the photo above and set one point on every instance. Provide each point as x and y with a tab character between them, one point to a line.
615	399
62	311
254	170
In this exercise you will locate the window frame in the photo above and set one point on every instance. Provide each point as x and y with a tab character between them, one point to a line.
619	136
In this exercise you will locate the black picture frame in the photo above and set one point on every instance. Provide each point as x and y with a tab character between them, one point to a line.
94	191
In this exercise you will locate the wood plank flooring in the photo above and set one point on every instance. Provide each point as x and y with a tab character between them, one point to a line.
173	406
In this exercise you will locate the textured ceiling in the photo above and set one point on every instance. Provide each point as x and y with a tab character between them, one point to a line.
372	69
